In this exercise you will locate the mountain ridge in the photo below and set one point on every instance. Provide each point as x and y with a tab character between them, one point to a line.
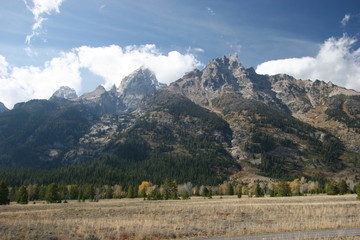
235	123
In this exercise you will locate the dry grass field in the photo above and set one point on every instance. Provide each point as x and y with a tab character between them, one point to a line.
198	217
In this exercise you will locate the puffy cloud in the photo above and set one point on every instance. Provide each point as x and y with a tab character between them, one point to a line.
30	82
345	20
336	61
111	63
38	9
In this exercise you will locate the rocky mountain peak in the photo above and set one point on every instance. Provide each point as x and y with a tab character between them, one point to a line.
64	92
2	107
137	85
100	90
141	81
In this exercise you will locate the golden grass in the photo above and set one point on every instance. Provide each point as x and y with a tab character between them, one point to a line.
138	219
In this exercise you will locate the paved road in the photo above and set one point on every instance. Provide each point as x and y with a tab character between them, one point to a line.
326	233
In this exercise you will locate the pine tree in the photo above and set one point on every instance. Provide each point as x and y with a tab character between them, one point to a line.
22	196
205	192
283	189
357	190
4	194
185	196
343	187
239	191
230	189
131	192
258	191
332	188
52	194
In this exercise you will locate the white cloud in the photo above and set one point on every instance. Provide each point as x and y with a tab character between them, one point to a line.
199	50
345	20
209	9
111	63
39	8
336	61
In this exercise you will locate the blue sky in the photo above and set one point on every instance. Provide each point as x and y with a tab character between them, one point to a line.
41	39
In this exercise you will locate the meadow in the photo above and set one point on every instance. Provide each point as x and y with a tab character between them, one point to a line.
197	217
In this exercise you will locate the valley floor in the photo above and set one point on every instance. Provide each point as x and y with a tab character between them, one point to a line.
195	218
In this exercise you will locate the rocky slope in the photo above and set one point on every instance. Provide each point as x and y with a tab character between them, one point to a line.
280	125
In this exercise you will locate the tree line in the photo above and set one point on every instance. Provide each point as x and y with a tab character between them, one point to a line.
169	189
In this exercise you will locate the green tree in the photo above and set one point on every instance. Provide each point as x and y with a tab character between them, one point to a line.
258	191
22	196
73	191
283	189
205	192
239	191
52	193
131	192
332	188
155	194
343	187
4	194
42	192
230	189
185	196
357	190
89	192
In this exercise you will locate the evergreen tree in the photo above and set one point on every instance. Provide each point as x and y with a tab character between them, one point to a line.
73	192
343	187
174	190
42	192
90	192
80	196
53	193
205	192
239	191
258	191
166	188
131	192
4	194
357	190
332	188
283	189
22	196
155	195
230	189
185	196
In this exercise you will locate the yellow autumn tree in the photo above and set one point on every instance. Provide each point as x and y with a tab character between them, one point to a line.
145	187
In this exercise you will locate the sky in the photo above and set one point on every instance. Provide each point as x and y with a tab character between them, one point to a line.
46	44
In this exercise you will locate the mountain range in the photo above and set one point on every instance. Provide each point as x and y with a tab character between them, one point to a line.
224	122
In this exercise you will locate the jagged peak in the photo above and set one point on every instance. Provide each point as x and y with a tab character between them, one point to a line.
141	77
64	92
100	88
